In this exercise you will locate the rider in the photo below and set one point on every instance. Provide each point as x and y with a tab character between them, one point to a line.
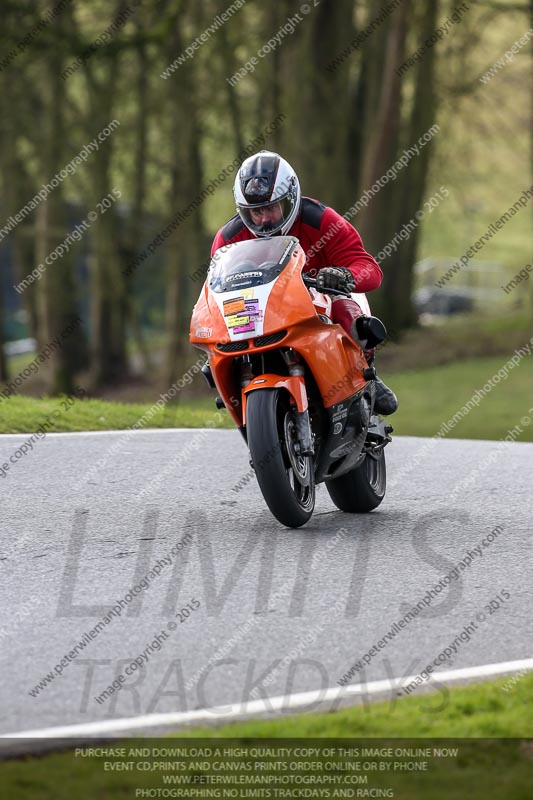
269	203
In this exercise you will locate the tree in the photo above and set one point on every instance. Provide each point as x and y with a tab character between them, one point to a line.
315	134
4	373
186	182
57	297
108	287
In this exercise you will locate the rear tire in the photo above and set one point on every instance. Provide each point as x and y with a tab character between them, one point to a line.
286	480
363	488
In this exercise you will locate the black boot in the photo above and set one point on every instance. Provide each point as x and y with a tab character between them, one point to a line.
369	332
385	401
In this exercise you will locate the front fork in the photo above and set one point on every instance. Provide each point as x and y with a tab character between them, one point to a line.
304	433
304	441
295	385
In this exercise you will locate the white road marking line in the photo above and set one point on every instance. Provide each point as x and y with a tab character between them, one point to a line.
115	432
255	707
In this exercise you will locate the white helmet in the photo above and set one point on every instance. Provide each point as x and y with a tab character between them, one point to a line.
267	183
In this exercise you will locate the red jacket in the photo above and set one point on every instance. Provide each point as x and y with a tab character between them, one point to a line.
327	238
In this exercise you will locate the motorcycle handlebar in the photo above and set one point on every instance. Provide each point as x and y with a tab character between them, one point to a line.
312	282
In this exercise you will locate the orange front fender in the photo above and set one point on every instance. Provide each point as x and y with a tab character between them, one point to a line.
294	384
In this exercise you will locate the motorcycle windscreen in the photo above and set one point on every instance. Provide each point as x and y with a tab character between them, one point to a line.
251	263
241	277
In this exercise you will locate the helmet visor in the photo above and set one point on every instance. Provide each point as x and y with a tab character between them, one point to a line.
266	219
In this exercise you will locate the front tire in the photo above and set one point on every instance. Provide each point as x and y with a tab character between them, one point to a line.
286	479
363	488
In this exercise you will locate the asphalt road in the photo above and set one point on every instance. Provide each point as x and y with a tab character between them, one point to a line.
84	518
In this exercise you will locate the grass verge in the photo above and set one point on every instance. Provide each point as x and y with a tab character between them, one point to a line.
433	396
20	414
428	397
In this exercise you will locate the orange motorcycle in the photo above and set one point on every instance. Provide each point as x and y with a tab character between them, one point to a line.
296	385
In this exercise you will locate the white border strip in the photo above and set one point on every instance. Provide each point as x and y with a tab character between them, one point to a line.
256	707
112	432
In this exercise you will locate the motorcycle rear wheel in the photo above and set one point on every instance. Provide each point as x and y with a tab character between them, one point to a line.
286	479
362	489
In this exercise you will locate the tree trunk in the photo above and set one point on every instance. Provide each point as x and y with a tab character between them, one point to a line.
108	291
4	373
135	236
383	128
315	135
185	251
399	268
56	291
229	65
17	189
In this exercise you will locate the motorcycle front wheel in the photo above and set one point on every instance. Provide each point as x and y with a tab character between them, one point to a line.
286	479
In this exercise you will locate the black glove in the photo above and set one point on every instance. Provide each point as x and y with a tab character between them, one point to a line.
336	278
